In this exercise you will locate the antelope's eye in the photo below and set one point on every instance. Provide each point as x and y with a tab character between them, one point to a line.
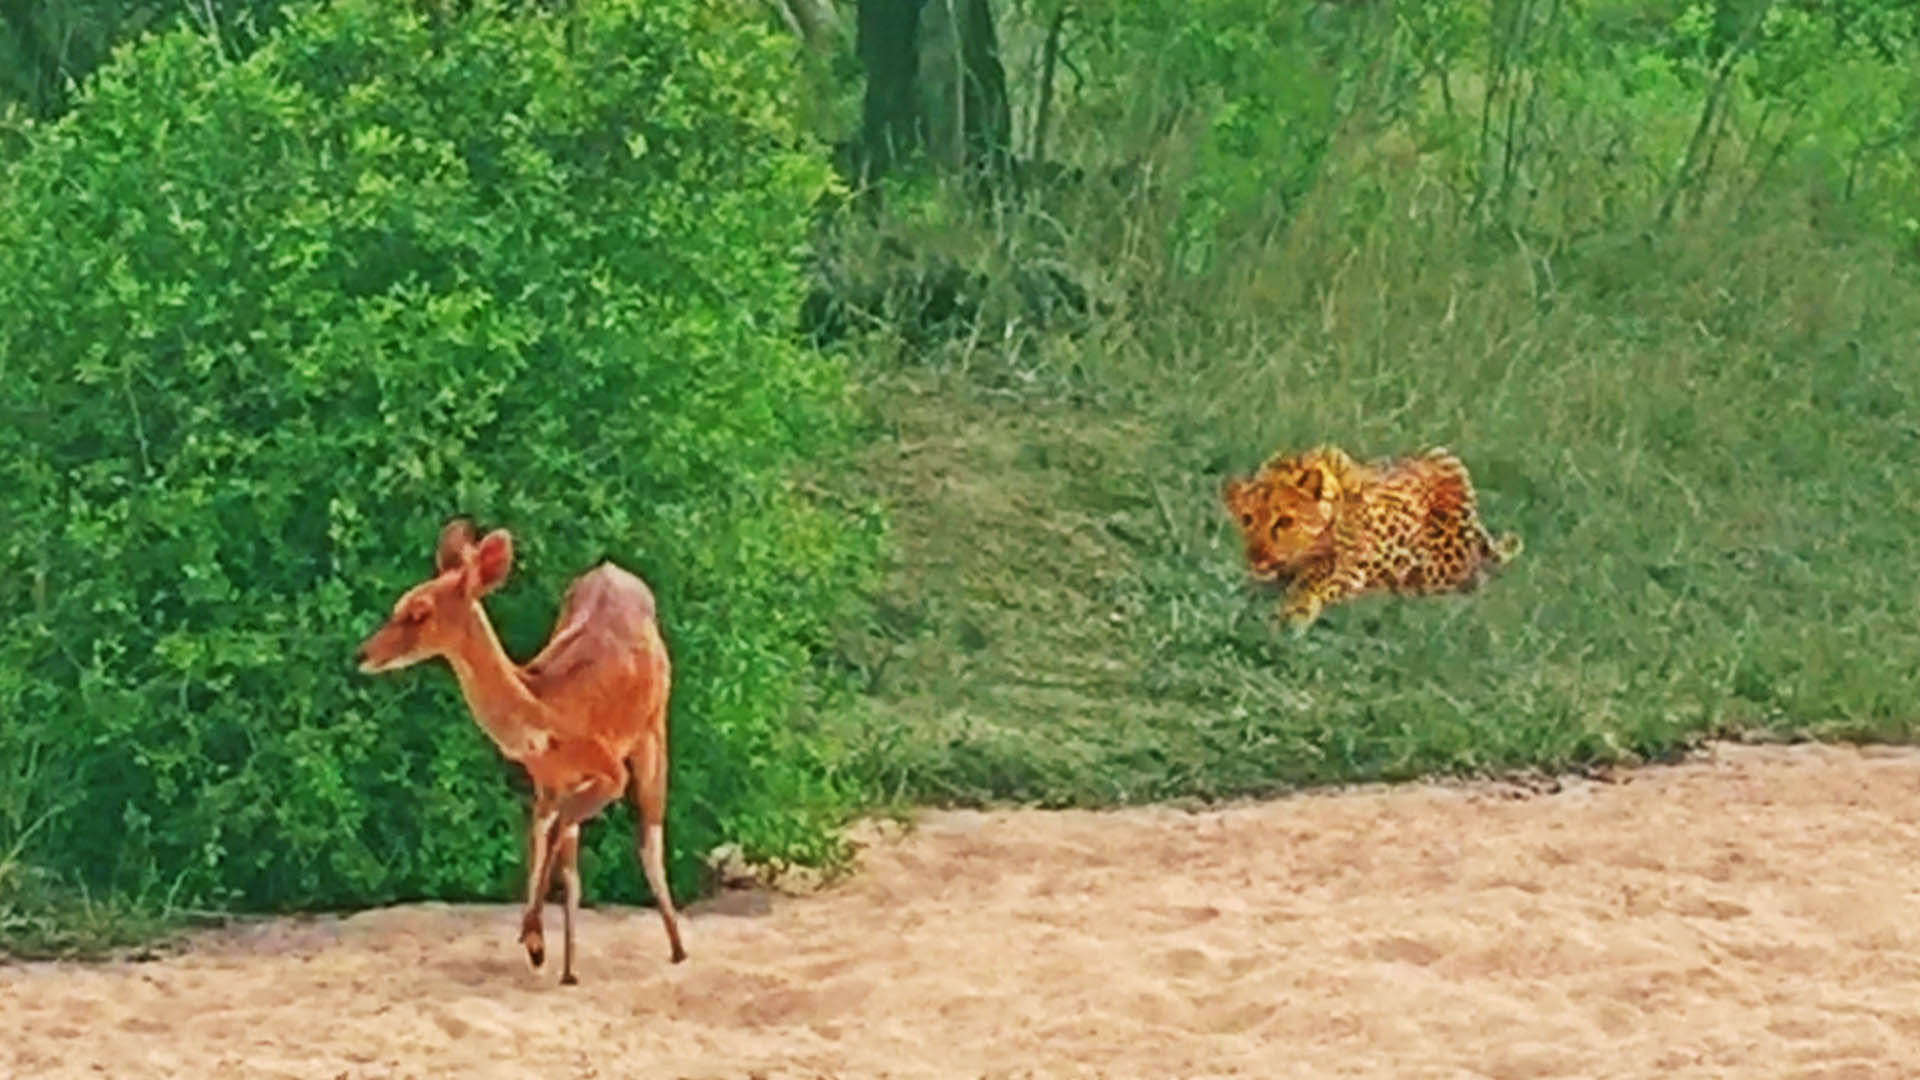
414	615
1246	519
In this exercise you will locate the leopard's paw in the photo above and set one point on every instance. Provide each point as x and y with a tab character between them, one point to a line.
1297	614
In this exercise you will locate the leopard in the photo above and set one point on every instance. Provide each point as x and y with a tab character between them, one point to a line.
1330	528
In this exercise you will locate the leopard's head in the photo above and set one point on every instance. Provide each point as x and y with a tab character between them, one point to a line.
1283	513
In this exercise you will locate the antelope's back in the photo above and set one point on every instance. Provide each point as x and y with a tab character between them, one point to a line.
606	660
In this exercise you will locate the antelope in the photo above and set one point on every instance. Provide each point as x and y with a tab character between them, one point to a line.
582	717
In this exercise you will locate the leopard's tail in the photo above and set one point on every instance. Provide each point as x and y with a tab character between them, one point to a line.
1451	488
1506	549
1455	492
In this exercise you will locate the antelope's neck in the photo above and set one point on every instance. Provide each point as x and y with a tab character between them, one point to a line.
505	709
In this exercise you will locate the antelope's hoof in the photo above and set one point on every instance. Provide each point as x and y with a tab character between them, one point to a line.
569	980
535	943
679	954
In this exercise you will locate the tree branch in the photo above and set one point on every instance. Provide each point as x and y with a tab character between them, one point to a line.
1690	165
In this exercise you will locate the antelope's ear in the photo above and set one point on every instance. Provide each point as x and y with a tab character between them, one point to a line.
456	539
491	561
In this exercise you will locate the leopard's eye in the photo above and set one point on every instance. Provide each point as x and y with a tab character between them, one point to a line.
1282	522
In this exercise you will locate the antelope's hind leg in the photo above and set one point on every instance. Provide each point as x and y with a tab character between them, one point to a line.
648	764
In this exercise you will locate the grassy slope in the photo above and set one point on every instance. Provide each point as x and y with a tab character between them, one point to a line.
1706	435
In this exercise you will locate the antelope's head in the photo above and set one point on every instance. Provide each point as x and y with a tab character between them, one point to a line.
430	619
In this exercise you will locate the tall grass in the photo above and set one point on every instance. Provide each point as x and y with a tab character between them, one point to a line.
1699	411
43	915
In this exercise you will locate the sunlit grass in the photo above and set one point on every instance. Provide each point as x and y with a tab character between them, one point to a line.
1705	434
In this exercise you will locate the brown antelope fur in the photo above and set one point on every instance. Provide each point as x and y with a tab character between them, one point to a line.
582	717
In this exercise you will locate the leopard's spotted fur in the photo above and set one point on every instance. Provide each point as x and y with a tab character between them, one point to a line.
1333	528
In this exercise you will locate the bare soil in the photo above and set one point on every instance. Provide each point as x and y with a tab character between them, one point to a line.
1749	913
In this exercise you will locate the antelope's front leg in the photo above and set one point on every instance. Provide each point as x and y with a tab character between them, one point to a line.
587	798
540	833
556	843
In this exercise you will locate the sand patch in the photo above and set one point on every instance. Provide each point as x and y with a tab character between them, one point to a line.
1753	913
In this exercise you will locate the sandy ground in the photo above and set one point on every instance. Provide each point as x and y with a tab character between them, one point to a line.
1755	913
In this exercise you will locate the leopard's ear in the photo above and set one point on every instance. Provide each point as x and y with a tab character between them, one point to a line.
1232	489
1313	481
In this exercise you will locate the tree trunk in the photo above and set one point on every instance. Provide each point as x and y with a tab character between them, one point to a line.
886	37
935	86
812	21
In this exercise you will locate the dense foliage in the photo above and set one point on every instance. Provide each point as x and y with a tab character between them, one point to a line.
1244	104
265	323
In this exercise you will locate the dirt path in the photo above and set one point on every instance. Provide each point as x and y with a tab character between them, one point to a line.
1756	913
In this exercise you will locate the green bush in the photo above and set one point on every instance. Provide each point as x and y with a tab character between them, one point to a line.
265	324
